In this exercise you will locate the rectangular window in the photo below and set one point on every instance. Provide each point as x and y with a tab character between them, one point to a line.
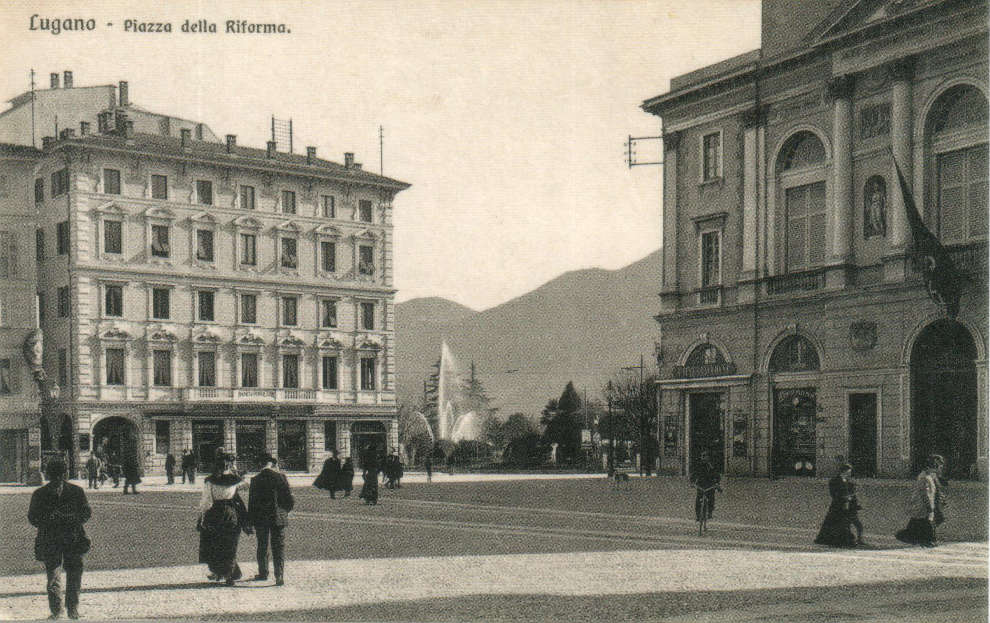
328	313
205	305
41	307
366	262
249	255
329	372
204	245
247	197
63	302
329	435
712	155
290	371
111	182
288	202
6	382
289	304
113	236
364	208
367	373
163	368
8	254
159	187
805	235
60	182
289	257
249	308
328	256
204	192
113	301
710	259
207	368
62	237
368	316
39	244
161	436
329	206
63	367
161	308
249	369
962	195
39	190
159	241
115	366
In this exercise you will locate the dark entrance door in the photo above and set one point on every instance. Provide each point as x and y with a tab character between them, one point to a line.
707	429
250	437
367	440
10	455
292	445
943	383
794	432
116	437
207	436
863	434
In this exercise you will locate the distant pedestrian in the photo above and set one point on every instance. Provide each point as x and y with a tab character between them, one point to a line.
369	492
926	505
188	466
428	464
222	518
327	480
170	468
269	503
345	479
132	473
114	468
706	479
399	471
843	512
93	471
59	509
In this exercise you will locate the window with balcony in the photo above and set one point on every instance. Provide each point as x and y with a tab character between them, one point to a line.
249	369
366	260
367	373
162	368
329	206
290	371
328	256
115	366
289	309
249	308
247	197
159	187
161	303
364	210
111	181
204	245
113	301
288	202
249	255
328	313
329	372
207	363
289	257
800	175
204	192
368	316
113	237
159	241
205	305
62	237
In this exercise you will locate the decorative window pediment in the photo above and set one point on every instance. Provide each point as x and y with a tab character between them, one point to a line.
204	219
366	234
115	333
246	222
288	227
110	209
370	343
163	214
207	337
251	340
162	335
331	343
328	231
291	341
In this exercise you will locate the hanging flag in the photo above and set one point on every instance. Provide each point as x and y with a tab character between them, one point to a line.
942	279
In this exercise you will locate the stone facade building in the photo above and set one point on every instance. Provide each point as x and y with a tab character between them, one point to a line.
197	294
797	329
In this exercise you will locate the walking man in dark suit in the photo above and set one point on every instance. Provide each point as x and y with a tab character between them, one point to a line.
269	503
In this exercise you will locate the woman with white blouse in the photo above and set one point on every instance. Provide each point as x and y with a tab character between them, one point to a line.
222	518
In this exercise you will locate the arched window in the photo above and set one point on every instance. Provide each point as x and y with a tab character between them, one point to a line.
794	354
956	140
800	173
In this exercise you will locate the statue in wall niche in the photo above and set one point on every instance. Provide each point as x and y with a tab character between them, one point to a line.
875	207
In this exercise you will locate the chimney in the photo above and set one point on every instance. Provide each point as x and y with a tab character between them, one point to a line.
67	80
103	122
83	128
348	159
271	149
47	142
310	155
122	92
186	135
66	133
231	142
54	78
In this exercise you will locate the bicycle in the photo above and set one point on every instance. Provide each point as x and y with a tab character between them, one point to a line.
702	517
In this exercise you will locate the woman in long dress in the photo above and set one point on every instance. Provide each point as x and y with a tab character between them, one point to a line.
222	518
369	492
926	505
843	512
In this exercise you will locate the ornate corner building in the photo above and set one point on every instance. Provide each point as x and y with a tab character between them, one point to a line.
806	318
193	293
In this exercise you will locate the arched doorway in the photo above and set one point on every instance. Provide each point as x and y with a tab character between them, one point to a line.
116	437
367	439
795	408
944	399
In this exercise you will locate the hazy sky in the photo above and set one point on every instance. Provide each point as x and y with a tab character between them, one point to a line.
508	118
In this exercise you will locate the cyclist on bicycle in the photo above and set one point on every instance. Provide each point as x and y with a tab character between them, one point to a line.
706	480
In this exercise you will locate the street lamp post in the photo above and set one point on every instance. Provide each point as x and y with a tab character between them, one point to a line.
611	429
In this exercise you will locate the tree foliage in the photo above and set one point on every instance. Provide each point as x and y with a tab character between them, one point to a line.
562	422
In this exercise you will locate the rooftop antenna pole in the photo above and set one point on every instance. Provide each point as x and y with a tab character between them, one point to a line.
32	108
290	135
381	150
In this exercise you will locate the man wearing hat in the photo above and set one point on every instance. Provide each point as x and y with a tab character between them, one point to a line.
59	509
269	503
